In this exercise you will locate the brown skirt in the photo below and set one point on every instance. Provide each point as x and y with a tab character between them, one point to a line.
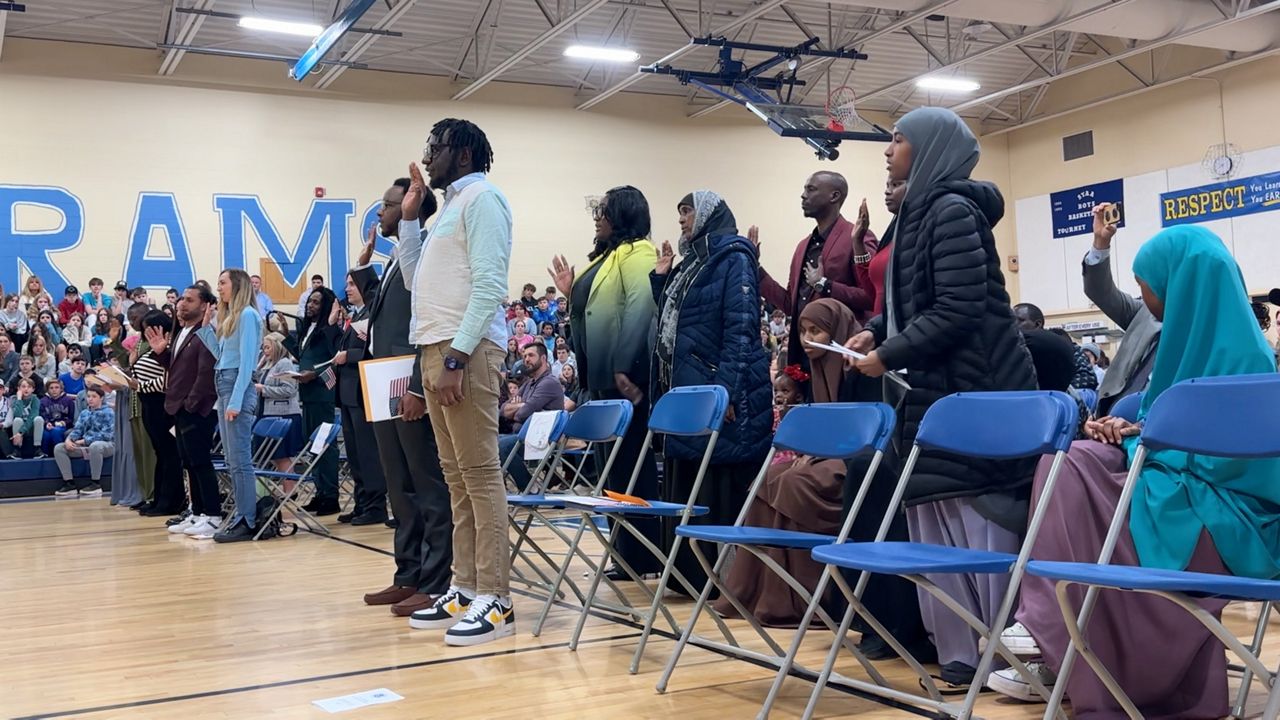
804	495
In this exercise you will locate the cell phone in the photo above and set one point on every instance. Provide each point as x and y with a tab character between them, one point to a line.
1113	214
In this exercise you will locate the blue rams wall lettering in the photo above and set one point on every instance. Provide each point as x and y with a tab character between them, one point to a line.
159	245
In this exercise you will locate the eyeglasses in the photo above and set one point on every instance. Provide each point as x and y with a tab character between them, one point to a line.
597	212
433	149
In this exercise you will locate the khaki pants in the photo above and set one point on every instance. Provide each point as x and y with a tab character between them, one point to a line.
467	435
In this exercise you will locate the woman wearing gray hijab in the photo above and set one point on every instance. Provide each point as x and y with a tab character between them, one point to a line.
709	334
947	321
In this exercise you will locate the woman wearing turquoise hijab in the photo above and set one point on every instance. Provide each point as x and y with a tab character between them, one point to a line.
1202	514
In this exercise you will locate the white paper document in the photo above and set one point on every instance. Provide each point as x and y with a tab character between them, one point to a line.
537	439
361	327
358	700
322	438
894	375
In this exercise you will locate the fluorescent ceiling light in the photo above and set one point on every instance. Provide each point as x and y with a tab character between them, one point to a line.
281	26
947	84
588	52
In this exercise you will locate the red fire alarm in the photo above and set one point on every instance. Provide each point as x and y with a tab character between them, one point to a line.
319	192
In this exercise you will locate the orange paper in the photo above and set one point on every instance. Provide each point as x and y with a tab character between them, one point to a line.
628	499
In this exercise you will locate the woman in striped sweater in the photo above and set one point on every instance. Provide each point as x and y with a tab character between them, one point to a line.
149	383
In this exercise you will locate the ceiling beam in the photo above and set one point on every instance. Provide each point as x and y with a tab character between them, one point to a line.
637	76
547	36
4	20
1198	74
1116	57
675	15
469	44
361	46
998	47
608	37
186	34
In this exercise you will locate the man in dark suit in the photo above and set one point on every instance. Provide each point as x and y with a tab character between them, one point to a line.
407	445
190	397
362	447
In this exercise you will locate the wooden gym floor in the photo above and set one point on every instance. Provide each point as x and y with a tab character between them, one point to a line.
108	616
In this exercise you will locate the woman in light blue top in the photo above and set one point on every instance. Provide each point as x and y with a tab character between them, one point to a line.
235	345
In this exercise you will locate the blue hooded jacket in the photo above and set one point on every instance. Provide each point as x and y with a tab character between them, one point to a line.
718	343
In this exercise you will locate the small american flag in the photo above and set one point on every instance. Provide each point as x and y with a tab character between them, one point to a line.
329	378
398	388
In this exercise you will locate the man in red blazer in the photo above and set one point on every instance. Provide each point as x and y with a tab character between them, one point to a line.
830	263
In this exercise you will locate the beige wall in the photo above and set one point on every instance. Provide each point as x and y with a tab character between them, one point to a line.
99	122
1161	128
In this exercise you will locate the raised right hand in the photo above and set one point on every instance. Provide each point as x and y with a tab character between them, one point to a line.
1102	232
561	273
753	234
156	338
864	218
665	259
366	254
411	205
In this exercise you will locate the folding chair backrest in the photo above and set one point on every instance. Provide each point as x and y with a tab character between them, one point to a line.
550	460
835	430
690	411
1127	407
1230	417
1000	425
599	421
272	427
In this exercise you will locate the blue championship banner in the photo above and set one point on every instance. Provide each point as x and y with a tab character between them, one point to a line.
1073	209
1243	196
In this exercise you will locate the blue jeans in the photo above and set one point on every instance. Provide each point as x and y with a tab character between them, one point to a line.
518	469
237	443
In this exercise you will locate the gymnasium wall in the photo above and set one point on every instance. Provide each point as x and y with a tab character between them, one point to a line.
1156	141
107	169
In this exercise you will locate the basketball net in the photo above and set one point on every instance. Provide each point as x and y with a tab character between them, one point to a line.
841	108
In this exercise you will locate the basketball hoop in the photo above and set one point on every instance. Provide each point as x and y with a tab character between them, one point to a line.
841	110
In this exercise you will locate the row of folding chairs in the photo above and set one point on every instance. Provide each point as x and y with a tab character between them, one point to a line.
1000	426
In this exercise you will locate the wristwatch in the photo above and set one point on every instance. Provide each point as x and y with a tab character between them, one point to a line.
823	285
453	363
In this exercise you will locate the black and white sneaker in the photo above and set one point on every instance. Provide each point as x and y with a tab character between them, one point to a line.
179	518
487	619
93	489
444	613
66	489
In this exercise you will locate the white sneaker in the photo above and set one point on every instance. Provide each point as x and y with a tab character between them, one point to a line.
444	613
487	619
204	529
1010	683
186	523
1018	639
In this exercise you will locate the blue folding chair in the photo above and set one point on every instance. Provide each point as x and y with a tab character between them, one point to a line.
1127	407
693	411
288	499
595	423
517	451
1230	417
831	431
995	425
268	433
533	506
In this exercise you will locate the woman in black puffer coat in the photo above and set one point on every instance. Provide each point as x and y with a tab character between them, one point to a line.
709	334
948	323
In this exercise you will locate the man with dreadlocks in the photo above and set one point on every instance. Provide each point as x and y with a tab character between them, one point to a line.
458	279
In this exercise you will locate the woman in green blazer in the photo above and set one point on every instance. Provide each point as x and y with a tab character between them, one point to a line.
611	310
